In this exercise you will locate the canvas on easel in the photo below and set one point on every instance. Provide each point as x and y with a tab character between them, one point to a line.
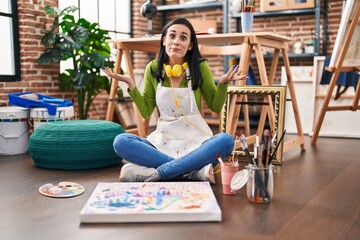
345	58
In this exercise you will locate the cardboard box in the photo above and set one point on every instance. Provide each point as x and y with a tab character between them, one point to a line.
279	5
297	4
273	5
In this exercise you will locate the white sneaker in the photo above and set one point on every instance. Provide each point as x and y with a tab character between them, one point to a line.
131	172
204	174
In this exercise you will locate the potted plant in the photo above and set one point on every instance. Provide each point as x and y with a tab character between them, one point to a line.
85	44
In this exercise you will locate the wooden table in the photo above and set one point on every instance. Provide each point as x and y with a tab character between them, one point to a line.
249	42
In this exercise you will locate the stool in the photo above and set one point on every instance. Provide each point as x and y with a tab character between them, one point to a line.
75	144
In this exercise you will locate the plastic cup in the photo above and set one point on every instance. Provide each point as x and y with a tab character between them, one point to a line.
227	172
247	19
260	184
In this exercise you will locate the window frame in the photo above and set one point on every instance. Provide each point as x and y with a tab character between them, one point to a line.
16	44
113	33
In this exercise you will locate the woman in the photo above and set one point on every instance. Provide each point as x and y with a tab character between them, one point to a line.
182	146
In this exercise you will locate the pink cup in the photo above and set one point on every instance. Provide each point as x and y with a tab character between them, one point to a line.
227	172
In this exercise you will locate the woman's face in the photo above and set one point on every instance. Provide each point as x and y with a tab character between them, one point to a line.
177	42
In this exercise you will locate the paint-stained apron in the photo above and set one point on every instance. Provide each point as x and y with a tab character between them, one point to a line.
180	127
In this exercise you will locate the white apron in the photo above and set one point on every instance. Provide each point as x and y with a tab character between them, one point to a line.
178	131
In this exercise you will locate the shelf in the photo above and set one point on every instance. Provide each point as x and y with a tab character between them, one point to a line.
190	6
310	11
318	12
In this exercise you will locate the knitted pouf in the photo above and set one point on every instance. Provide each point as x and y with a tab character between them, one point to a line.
75	144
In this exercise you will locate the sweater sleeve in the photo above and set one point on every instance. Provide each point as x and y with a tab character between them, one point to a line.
146	102
214	95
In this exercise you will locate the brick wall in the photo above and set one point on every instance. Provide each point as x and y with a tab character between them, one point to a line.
43	79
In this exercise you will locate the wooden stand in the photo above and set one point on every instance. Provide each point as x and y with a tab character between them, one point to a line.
256	43
345	61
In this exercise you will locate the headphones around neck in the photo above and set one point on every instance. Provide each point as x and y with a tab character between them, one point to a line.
176	70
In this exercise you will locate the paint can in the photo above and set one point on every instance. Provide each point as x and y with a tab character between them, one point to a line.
41	116
14	130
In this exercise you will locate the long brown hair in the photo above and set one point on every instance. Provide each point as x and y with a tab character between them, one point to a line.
192	56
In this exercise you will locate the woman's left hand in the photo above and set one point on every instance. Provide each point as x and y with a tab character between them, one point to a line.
234	74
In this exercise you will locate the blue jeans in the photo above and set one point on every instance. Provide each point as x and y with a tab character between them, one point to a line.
140	151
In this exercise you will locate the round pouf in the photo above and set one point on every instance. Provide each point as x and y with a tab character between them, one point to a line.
75	144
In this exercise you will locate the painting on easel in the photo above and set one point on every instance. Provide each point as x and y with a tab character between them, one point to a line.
345	58
353	50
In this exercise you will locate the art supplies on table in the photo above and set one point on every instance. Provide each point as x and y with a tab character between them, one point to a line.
123	202
62	190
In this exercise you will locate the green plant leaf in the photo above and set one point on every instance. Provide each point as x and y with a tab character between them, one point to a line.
51	11
50	56
65	80
84	23
68	10
48	39
79	35
81	78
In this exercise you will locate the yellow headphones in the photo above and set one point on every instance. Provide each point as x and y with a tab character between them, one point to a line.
176	70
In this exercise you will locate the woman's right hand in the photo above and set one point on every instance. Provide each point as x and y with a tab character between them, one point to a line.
123	78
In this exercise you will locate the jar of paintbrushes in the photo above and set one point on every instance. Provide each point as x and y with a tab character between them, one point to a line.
258	175
260	184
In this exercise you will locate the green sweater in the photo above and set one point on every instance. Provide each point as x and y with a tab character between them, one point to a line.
214	95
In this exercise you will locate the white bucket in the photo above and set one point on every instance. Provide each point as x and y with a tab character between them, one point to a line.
40	116
14	130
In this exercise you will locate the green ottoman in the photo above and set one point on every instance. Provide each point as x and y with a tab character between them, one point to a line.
75	144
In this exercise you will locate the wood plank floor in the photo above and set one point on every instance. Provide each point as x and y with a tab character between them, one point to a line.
316	196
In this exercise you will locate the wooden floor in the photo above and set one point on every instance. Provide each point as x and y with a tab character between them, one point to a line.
316	196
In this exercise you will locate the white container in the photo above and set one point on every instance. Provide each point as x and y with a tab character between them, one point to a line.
14	130
41	116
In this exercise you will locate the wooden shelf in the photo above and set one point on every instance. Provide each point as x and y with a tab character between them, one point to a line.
285	13
319	11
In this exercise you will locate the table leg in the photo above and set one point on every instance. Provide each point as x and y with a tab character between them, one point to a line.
234	109
138	119
114	87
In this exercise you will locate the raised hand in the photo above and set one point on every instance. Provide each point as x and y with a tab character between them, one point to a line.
234	73
123	78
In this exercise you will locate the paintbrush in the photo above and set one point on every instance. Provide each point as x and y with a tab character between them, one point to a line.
277	146
220	159
246	149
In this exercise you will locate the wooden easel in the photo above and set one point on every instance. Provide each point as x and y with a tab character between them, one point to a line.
350	28
256	43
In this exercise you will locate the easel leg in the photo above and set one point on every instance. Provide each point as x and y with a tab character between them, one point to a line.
355	103
324	107
269	110
300	140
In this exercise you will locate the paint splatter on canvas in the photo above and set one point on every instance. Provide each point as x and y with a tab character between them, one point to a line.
151	202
